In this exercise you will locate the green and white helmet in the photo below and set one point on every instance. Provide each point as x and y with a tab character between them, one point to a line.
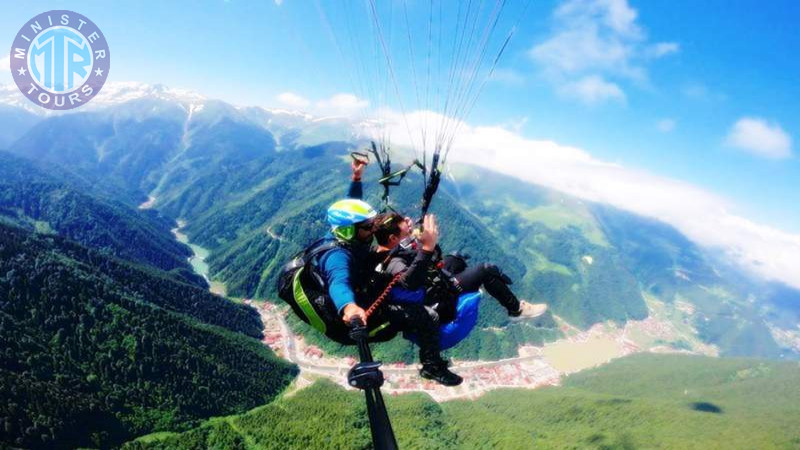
345	214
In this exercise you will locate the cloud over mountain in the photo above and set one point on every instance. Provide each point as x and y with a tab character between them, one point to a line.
704	217
342	104
760	138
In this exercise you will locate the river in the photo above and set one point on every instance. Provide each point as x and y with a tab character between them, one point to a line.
198	259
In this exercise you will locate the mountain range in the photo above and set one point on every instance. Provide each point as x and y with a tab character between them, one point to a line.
97	294
251	185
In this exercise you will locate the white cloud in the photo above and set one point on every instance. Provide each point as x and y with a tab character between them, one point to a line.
279	2
662	49
666	125
592	89
581	50
760	138
614	14
341	105
293	100
702	216
5	63
597	40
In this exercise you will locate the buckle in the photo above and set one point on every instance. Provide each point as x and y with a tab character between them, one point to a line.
365	375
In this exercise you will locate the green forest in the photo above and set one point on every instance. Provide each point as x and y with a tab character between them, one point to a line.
96	351
49	200
642	401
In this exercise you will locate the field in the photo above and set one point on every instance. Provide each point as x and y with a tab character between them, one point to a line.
641	401
570	356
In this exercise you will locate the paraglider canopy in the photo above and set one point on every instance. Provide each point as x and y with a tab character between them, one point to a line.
421	66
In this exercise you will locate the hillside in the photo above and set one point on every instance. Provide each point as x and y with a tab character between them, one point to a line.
643	401
596	262
97	351
149	145
252	185
48	199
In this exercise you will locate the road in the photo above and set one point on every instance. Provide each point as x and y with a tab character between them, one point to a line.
527	371
273	235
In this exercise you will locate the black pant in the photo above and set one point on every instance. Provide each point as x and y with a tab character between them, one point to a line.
488	276
418	319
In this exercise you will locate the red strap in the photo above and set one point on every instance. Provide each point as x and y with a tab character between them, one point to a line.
383	295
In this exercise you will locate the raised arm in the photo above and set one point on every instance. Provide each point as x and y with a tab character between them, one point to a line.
356	189
416	273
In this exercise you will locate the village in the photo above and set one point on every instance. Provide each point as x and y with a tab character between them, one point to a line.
662	331
534	367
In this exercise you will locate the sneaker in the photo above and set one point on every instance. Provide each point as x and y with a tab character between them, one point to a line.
440	374
528	310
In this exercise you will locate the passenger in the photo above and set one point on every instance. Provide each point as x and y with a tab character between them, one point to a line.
396	247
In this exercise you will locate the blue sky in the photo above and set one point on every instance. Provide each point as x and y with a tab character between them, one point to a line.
658	86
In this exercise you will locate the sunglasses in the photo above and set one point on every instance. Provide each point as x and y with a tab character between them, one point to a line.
368	225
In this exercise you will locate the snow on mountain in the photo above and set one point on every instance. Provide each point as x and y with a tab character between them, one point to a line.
115	93
133	101
141	101
112	94
11	96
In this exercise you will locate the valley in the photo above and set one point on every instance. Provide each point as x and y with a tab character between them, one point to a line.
533	367
249	203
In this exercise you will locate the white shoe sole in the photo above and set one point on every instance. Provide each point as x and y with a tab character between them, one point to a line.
524	317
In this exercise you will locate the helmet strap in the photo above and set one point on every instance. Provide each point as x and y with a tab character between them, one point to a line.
345	232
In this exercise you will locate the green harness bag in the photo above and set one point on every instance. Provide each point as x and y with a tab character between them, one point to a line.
301	285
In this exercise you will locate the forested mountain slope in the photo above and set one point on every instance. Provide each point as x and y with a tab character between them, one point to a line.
96	350
642	401
50	200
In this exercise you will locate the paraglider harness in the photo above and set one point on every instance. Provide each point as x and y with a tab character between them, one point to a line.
302	286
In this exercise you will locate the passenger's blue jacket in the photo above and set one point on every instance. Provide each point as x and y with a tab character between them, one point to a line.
414	265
